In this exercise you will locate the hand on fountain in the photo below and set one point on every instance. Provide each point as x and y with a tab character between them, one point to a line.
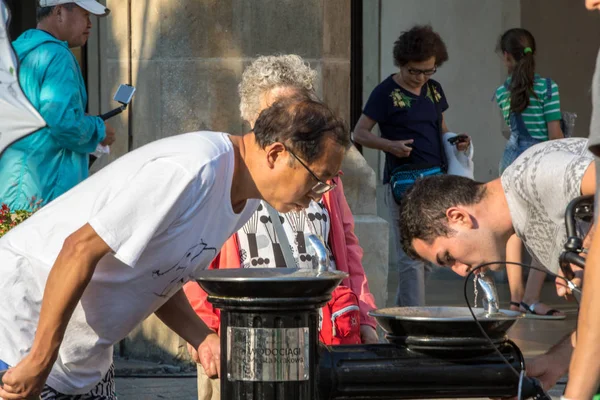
562	289
550	366
566	292
208	355
368	334
547	369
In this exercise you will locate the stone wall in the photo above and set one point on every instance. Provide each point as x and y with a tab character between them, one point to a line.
567	37
186	58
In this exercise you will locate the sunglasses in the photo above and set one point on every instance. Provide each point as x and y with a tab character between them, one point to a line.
320	187
426	72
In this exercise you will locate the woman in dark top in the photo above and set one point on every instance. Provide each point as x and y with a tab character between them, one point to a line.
407	107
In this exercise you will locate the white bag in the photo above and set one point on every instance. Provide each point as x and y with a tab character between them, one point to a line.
18	118
459	162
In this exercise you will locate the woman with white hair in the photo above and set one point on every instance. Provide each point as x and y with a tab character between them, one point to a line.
328	215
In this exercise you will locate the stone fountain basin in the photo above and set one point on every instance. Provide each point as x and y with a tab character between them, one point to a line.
269	282
444	325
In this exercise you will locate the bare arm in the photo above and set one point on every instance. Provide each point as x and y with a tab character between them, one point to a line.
462	145
180	317
588	183
554	131
584	372
364	136
550	366
588	186
66	283
444	126
178	314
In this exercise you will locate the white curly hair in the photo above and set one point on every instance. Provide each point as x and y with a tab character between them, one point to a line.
268	72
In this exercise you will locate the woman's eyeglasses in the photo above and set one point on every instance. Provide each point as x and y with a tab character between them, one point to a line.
426	72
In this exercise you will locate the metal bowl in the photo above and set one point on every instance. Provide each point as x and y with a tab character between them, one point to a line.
439	324
269	282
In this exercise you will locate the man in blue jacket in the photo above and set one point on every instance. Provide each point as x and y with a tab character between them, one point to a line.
37	169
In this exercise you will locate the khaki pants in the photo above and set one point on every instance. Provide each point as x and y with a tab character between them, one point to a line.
412	274
208	389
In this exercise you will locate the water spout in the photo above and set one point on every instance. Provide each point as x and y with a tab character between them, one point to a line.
321	253
488	286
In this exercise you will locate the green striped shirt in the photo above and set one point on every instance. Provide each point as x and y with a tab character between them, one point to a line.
540	111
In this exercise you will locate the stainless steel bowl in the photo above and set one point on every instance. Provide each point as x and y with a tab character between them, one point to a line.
269	282
441	323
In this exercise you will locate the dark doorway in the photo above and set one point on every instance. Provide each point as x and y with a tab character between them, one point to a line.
22	16
356	62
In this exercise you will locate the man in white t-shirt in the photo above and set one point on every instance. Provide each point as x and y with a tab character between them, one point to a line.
459	223
83	271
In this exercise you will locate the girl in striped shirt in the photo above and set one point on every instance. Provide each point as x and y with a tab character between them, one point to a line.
530	105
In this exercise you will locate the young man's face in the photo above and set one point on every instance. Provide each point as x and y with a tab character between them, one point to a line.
468	247
291	184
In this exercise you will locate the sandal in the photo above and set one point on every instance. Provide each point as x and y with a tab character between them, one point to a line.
515	304
532	314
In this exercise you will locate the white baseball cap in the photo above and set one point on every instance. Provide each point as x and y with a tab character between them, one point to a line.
90	5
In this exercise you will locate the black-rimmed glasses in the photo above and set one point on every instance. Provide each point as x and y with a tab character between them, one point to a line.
320	187
426	72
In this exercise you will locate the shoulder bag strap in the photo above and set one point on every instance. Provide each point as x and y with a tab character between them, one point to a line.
440	119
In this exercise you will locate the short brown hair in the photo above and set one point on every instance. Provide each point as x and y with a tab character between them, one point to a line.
424	205
419	44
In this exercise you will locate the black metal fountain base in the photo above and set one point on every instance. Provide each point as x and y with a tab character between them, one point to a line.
270	351
389	371
269	336
434	352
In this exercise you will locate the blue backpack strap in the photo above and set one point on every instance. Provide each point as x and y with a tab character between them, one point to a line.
516	120
548	88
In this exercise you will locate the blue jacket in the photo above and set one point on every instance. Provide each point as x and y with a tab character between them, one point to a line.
44	165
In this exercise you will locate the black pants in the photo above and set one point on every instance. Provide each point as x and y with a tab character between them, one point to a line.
104	390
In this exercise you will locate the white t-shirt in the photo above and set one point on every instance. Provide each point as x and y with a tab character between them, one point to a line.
165	211
261	248
539	185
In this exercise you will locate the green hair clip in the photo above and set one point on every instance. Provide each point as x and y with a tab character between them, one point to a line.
527	50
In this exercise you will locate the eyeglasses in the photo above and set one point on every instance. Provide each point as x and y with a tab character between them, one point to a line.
426	72
320	187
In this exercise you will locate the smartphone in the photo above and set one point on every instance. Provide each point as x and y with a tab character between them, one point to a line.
124	94
458	139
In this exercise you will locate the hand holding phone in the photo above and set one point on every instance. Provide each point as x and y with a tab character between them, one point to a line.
459	139
400	148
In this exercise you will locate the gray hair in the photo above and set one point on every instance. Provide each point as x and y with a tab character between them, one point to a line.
268	72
